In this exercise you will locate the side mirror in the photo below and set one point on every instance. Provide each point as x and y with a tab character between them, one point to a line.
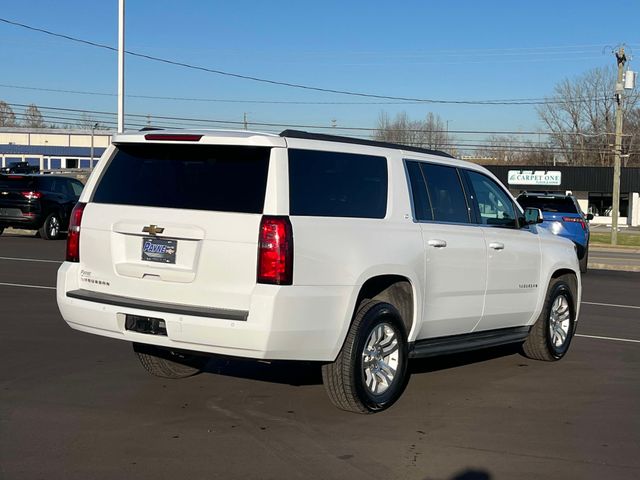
589	216
532	216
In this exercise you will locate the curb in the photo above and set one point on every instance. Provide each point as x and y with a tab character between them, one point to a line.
618	268
611	248
16	232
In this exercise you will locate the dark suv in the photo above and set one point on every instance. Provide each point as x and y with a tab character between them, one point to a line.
563	217
38	202
20	167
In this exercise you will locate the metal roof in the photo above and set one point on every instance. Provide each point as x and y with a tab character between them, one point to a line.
50	150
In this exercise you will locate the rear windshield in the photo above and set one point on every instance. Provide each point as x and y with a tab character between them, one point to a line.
195	177
11	182
331	184
548	204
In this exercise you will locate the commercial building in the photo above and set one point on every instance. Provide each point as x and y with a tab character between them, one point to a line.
52	149
592	186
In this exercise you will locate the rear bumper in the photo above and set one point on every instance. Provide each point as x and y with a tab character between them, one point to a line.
28	223
281	323
18	218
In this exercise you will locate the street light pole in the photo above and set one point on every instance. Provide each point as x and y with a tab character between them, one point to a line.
120	66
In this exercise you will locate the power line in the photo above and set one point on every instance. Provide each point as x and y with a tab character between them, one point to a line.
281	102
182	120
463	145
274	82
215	100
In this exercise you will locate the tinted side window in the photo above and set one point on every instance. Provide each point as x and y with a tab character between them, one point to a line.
63	186
496	207
58	185
76	187
446	194
46	184
330	184
421	203
197	177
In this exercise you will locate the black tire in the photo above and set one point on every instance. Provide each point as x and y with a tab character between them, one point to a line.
541	344
345	379
51	228
584	261
166	363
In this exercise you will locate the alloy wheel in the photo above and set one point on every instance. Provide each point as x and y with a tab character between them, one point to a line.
54	227
380	358
559	321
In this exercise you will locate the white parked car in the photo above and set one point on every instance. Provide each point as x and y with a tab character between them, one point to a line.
356	254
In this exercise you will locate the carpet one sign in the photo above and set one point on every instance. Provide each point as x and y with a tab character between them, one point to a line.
534	177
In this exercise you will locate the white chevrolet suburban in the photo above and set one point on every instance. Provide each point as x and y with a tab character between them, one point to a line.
299	246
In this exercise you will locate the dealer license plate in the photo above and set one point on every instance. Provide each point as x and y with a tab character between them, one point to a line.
160	250
10	212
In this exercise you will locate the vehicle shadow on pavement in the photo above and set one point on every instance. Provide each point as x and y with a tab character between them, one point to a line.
309	373
434	364
470	475
285	372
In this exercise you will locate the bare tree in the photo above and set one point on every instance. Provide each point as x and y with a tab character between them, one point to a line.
511	149
428	133
33	118
631	140
87	122
7	117
581	117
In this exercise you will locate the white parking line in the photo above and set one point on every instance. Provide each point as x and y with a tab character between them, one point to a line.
608	338
610	305
29	260
25	286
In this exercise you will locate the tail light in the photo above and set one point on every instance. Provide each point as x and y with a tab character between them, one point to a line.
31	195
575	220
275	251
73	237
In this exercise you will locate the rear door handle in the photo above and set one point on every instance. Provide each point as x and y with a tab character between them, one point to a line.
437	243
496	245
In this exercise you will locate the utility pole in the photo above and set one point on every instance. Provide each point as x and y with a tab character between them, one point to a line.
120	66
245	121
93	129
615	209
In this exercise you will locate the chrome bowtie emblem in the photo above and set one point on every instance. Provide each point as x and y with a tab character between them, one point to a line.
152	229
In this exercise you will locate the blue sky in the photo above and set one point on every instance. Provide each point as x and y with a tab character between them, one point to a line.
443	50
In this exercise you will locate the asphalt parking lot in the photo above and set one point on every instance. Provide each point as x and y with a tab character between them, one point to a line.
76	406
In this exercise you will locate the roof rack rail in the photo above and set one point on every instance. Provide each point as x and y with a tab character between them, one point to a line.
359	141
